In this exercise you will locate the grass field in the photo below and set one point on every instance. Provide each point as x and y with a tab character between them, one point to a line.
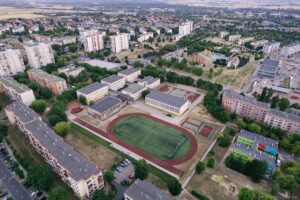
154	138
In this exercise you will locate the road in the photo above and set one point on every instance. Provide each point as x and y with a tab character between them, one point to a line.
10	182
120	190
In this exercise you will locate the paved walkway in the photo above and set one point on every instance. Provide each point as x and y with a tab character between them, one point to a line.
120	190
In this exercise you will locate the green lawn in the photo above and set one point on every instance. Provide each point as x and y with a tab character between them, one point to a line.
154	138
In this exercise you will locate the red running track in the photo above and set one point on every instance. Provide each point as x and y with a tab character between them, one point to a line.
166	164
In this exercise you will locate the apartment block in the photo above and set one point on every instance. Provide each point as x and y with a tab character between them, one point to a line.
259	43
223	34
16	91
290	49
131	74
39	55
248	107
64	40
54	83
119	42
11	62
114	82
185	28
234	38
93	92
271	47
75	170
243	41
93	40
145	37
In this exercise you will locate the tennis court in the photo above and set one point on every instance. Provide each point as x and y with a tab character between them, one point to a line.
152	137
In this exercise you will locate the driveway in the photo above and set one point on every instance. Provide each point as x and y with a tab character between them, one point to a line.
120	190
11	183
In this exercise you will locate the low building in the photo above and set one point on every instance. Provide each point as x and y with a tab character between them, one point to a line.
16	91
243	41
114	82
105	108
142	190
131	74
271	47
40	38
233	62
249	146
203	58
167	102
149	82
290	49
234	38
134	90
54	83
145	37
103	64
71	70
259	43
223	34
75	170
64	40
93	92
269	68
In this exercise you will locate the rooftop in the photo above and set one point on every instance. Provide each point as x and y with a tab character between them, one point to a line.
142	190
112	78
259	138
44	74
106	103
92	88
102	64
129	71
24	113
12	83
167	98
149	80
133	88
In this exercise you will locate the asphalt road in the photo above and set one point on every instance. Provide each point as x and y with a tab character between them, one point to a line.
120	190
16	189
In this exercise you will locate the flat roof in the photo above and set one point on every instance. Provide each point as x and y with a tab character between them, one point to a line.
112	78
22	111
133	88
167	98
102	64
12	83
92	88
142	190
129	71
106	103
47	76
259	138
149	80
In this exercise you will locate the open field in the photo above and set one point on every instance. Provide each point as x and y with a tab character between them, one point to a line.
133	54
21	145
154	138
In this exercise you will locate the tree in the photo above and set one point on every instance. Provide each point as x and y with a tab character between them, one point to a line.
57	193
83	100
254	127
275	101
39	106
62	128
210	162
174	186
3	131
240	123
41	177
256	169
224	140
141	169
200	167
284	104
249	194
73	48
287	182
33	86
109	176
296	149
45	93
100	195
145	93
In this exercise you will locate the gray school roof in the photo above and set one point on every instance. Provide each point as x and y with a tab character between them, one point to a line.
92	88
133	88
23	112
234	95
259	138
268	67
166	98
12	83
149	80
129	71
112	78
141	190
104	104
78	166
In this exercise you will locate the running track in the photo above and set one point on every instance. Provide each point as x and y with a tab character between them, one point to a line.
166	164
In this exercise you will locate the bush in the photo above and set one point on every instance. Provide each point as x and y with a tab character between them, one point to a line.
39	106
199	195
174	186
224	140
210	162
200	167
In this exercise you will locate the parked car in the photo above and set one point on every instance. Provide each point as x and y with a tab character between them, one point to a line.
125	182
119	169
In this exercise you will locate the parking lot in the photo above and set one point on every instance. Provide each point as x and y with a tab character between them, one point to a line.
124	172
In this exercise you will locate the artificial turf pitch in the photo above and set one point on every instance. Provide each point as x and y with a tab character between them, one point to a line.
154	138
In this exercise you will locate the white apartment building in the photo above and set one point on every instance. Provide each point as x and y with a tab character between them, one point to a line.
186	28
130	74
223	34
11	62
259	43
145	37
243	41
93	40
271	47
39	55
119	42
93	92
234	38
76	171
114	82
16	91
149	82
290	49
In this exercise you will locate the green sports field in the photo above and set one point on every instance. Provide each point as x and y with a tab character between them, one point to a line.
154	138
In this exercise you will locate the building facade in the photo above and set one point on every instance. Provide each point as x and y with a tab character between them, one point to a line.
76	171
130	74
114	82
134	90
39	55
54	83
145	37
16	91
119	42
11	62
234	38
271	47
185	28
149	82
71	70
93	92
93	40
290	49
